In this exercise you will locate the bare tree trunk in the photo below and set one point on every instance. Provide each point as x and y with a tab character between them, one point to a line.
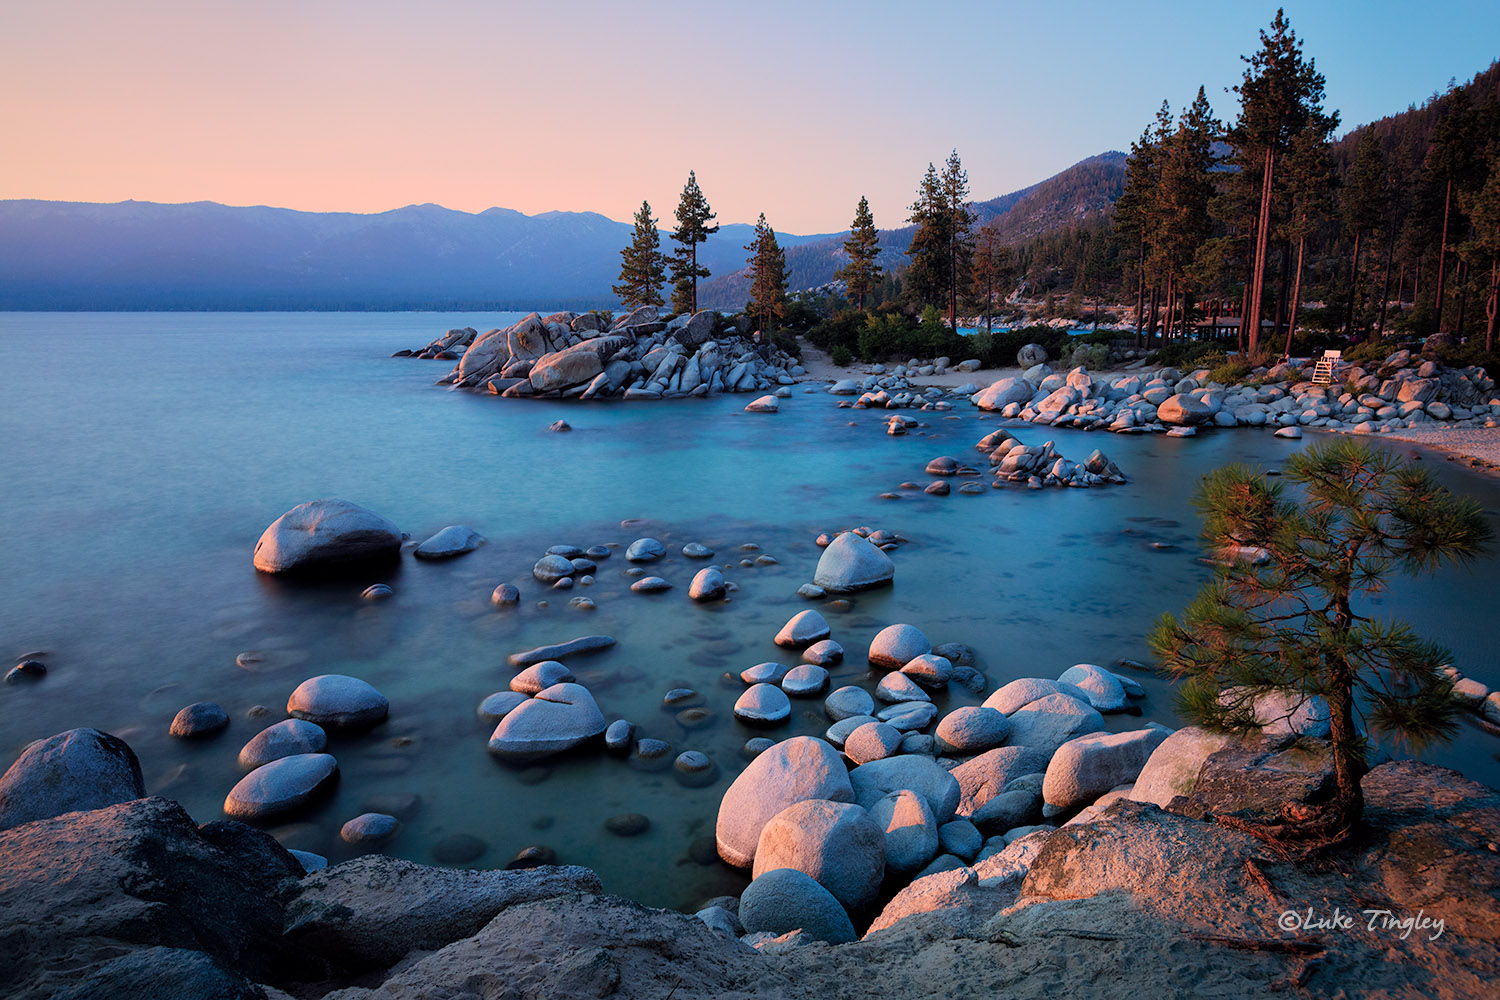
1291	330
1258	270
1283	286
1385	285
1442	258
1490	307
1353	283
1463	297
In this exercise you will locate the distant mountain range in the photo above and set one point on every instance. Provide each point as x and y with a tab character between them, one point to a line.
1085	189
144	255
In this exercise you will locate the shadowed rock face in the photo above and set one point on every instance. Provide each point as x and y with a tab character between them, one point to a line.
73	888
324	536
78	769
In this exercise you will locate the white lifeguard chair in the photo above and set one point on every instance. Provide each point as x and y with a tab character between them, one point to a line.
1323	370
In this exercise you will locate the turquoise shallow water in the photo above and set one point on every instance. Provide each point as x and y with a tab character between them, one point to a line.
142	455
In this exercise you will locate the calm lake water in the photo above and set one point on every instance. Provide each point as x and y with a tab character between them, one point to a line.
142	455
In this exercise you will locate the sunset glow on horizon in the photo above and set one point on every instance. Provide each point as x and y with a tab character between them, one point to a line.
794	110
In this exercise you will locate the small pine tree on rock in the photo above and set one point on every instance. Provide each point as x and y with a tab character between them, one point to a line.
642	264
1296	624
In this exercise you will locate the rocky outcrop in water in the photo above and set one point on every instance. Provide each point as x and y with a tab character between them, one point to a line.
638	356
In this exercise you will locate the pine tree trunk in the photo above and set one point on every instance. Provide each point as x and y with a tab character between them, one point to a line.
1437	323
1353	283
1151	317
1491	306
1385	285
1244	317
1283	286
1463	297
1258	269
693	249
1140	291
1291	330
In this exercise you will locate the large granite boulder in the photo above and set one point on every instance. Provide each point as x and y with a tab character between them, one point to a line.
835	843
786	900
911	836
788	772
874	781
283	739
1104	690
851	563
896	645
1184	411
454	540
575	365
78	769
986	776
369	912
324	535
1049	722
1173	767
1002	392
1025	690
557	719
1085	768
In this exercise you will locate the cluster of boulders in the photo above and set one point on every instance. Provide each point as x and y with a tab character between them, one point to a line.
880	810
893	390
830	826
1474	695
1401	392
1011	461
641	355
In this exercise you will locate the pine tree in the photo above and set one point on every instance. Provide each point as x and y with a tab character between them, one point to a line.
991	268
642	264
693	218
928	249
767	278
1178	215
955	189
1364	206
1294	625
1133	209
861	274
1280	97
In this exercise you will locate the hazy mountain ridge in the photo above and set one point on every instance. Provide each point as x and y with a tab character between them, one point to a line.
204	255
1084	190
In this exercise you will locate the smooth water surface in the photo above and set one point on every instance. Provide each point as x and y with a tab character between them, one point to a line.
142	455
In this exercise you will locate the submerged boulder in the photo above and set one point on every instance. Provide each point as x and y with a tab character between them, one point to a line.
851	563
324	534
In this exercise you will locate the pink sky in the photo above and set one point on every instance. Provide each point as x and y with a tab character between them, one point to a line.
792	109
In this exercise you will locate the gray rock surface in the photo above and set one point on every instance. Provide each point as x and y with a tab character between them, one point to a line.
454	540
764	704
1173	767
851	563
987	775
835	843
874	781
1049	722
325	534
73	770
1021	692
202	718
894	645
338	701
972	729
1086	767
786	900
281	787
911	836
557	719
802	767
283	739
369	912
